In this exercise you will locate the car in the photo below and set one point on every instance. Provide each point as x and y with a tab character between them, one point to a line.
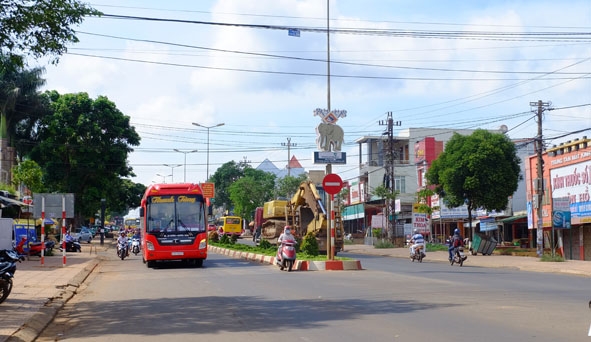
211	227
94	230
82	234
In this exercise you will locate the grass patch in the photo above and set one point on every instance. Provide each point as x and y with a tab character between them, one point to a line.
384	244
435	247
549	258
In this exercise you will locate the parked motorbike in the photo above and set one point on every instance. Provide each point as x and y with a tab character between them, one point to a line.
72	246
286	255
458	256
121	250
8	259
419	254
135	246
34	247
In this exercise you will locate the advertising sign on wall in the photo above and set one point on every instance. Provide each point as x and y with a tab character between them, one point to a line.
573	182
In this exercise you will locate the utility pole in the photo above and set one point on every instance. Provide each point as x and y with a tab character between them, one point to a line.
389	174
289	145
539	181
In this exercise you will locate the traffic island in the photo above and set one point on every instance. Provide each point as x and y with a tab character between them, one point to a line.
300	265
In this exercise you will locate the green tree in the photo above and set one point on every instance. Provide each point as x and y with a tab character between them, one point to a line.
29	174
251	191
125	196
21	106
223	177
40	28
289	185
83	148
480	170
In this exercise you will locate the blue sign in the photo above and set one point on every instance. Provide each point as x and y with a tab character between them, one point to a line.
488	224
293	32
561	219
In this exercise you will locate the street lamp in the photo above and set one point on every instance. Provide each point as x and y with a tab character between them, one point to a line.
185	153
163	177
208	127
172	170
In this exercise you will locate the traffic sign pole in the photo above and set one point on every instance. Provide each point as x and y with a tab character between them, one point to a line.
332	228
332	184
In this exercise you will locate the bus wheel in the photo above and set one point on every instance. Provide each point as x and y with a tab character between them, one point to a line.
199	263
151	264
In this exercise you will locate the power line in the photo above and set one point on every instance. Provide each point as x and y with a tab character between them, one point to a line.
472	35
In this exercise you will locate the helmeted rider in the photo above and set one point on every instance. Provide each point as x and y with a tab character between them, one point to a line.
456	241
285	236
123	240
416	240
68	237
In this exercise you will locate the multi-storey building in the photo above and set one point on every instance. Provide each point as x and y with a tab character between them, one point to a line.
565	198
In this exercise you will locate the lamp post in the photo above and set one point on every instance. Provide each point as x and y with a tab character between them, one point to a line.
163	177
208	127
172	170
185	168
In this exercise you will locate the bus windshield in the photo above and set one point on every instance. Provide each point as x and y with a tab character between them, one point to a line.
175	214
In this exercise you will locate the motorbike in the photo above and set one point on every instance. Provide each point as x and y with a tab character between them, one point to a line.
286	255
458	256
121	250
8	259
72	246
34	247
135	245
419	254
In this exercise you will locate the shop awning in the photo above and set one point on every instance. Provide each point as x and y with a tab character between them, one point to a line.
513	218
353	212
6	201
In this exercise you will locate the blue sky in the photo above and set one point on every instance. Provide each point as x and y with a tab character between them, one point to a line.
264	85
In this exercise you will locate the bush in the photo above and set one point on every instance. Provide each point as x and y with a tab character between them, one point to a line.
214	236
310	245
264	244
384	244
225	240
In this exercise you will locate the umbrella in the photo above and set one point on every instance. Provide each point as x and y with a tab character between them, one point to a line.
46	222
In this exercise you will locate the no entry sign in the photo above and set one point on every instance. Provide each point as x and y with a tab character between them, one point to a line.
332	183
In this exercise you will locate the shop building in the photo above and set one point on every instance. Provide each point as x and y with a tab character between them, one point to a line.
566	182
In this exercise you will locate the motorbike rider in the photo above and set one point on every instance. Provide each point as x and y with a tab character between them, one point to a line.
416	240
68	237
123	240
456	241
285	236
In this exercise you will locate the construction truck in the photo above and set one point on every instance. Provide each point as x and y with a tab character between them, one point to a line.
305	213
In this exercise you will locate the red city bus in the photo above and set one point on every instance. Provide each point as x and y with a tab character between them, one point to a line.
174	224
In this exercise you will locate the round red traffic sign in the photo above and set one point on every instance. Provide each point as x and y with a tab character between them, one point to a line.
332	183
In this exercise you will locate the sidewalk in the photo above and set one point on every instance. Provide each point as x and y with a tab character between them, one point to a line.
516	262
40	291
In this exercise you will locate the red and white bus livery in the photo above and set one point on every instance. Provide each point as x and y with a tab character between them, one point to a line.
174	224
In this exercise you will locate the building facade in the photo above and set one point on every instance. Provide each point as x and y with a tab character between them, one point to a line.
566	182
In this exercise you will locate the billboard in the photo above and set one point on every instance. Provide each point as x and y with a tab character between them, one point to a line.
54	205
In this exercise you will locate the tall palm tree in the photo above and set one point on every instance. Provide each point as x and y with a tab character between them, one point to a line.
19	101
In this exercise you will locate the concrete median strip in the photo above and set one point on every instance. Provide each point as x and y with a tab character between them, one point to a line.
300	265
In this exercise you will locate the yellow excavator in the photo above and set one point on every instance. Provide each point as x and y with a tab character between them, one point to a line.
305	213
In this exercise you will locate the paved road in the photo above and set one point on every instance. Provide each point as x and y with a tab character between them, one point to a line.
392	299
40	291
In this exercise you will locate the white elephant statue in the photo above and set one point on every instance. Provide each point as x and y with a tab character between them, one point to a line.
329	137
